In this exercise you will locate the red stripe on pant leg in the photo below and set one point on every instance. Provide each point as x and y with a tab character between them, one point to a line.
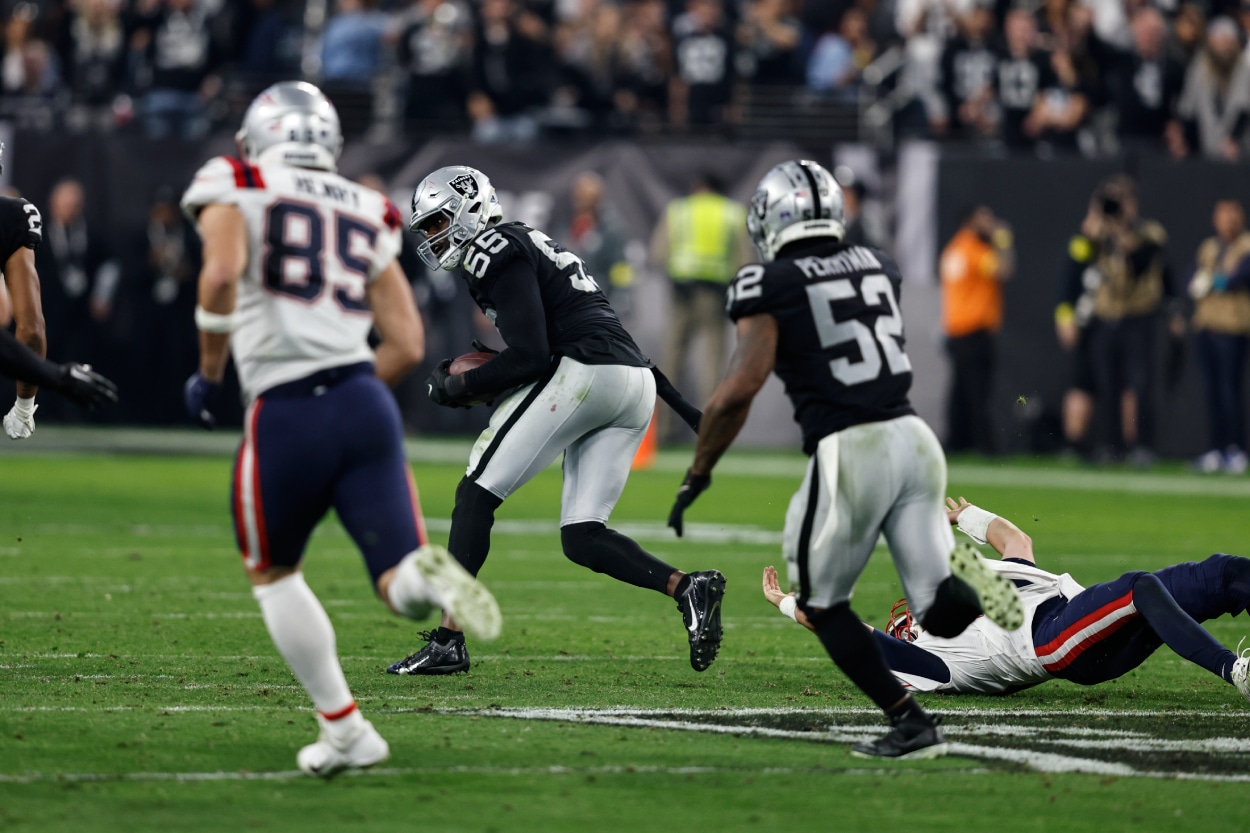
423	537
258	505
340	714
1084	622
1085	644
240	523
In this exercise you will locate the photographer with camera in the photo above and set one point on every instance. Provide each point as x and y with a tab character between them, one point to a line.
1117	284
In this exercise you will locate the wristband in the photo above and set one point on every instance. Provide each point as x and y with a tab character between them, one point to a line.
975	522
213	322
787	607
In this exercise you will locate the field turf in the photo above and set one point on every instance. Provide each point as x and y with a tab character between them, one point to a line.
140	691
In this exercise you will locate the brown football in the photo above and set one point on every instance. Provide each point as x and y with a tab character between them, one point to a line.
465	363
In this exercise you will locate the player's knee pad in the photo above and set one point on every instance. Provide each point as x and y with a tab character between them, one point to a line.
582	544
955	605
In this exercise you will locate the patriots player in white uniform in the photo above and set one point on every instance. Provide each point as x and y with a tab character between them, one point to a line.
299	264
1084	635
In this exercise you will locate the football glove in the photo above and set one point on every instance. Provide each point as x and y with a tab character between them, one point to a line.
693	486
80	384
200	397
444	388
19	422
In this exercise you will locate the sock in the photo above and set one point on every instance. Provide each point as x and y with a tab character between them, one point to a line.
446	635
408	593
1177	629
302	632
595	547
471	522
851	647
682	586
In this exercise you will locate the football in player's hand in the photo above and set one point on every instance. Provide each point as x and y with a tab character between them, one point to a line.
465	363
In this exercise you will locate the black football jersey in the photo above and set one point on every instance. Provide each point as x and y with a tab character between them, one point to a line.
20	225
840	334
581	324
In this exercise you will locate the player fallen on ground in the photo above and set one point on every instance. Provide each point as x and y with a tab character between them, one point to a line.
824	316
21	356
1084	635
299	264
571	381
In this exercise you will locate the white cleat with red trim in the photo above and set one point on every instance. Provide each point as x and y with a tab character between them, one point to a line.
355	745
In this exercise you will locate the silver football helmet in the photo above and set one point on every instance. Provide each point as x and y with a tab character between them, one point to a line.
794	201
450	207
292	123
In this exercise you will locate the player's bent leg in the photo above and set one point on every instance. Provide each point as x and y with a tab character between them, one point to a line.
472	519
914	733
592	545
1178	630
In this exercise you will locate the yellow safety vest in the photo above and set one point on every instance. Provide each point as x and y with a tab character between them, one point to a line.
702	229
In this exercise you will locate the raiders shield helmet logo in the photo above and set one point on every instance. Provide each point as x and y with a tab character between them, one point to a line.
465	185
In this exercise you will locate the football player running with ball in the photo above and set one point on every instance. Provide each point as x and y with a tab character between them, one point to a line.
299	264
824	316
571	381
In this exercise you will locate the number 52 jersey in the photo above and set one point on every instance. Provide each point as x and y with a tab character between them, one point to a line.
839	334
316	241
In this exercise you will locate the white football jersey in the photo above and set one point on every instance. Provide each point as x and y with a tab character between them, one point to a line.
985	659
315	242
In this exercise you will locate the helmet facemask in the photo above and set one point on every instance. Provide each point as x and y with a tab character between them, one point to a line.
450	208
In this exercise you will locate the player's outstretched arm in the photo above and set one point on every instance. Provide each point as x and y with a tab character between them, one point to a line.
398	322
1007	539
752	360
778	599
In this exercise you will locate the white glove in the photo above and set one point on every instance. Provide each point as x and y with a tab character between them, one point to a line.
19	423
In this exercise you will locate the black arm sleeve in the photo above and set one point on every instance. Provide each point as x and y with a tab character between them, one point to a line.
522	322
19	362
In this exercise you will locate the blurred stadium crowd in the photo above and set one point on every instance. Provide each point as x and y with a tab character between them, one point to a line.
1057	76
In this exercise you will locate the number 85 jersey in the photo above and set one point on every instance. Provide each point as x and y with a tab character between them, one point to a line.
316	241
839	334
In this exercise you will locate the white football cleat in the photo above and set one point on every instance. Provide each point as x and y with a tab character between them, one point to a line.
1240	675
330	755
469	602
1000	600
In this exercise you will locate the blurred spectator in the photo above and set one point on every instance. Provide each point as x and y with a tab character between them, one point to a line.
1145	84
597	236
161	267
839	57
1020	76
511	73
768	40
176	59
272	43
703	50
699	243
351	56
1063	107
1220	287
968	64
645	63
1189	28
96	61
1119	272
30	77
1215	103
77	276
973	266
435	48
591	51
853	192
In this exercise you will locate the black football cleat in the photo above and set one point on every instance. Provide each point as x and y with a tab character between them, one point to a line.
436	657
913	737
700	610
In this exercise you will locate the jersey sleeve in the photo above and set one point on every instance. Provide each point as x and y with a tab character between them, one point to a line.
216	182
746	295
21	226
389	240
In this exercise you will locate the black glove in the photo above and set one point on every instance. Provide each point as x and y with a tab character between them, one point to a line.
693	486
445	389
200	397
86	387
482	348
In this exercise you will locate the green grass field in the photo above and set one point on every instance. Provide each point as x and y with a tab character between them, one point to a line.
140	691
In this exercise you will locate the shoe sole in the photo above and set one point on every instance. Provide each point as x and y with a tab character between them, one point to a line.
937	750
712	633
999	599
432	671
469	602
